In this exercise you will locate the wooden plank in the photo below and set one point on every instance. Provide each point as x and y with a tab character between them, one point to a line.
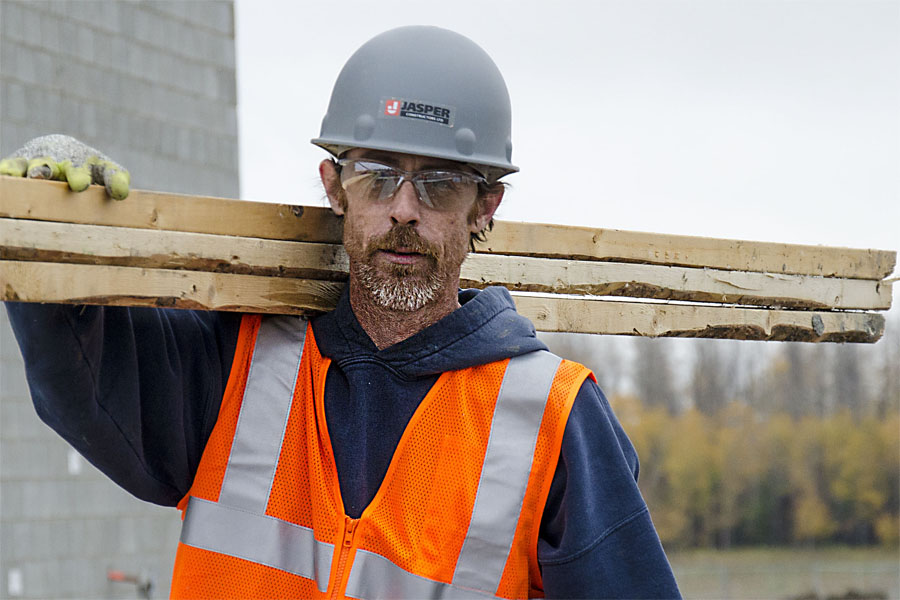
128	286
678	250
51	201
91	244
47	241
674	283
577	315
111	285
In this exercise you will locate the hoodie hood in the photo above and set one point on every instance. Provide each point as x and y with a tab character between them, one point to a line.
486	328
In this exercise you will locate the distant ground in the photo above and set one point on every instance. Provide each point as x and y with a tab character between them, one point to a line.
788	573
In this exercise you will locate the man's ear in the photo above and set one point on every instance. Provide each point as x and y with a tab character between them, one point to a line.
485	207
331	181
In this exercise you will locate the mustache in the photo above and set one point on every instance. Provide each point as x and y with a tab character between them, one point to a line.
405	237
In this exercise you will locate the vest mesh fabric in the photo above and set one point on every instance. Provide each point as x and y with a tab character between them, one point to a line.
419	518
209	575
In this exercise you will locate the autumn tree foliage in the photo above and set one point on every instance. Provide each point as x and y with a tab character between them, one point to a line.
737	479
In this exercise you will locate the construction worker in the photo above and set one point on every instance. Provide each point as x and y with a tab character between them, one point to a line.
419	440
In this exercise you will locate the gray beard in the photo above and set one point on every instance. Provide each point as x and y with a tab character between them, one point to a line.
397	290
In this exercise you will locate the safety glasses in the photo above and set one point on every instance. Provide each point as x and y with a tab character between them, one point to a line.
440	189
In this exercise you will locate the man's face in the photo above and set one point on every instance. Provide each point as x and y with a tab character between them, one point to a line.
402	252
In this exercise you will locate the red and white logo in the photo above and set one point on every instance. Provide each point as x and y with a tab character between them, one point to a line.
392	108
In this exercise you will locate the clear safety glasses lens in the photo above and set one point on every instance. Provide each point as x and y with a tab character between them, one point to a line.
436	188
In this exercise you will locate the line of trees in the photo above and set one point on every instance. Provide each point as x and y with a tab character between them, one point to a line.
745	443
736	479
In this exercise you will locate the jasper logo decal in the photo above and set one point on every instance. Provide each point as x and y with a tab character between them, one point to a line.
423	111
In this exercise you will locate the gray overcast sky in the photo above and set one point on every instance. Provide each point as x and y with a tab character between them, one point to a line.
761	120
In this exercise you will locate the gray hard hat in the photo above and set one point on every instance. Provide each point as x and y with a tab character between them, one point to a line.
422	90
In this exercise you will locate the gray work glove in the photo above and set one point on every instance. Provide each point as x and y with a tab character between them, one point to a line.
64	158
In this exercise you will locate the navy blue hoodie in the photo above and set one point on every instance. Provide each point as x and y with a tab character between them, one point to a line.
137	392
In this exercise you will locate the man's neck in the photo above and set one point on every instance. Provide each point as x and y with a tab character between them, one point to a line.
386	327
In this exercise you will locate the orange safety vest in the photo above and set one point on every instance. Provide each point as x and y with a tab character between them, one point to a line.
457	514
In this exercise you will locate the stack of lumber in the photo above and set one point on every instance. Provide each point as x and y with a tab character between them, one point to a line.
157	249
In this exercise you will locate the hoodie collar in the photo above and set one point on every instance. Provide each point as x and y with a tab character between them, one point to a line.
486	328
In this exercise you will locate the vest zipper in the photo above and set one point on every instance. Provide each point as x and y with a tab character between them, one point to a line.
346	544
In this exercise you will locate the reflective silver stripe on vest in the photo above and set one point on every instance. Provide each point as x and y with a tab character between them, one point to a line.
264	411
257	538
373	576
507	466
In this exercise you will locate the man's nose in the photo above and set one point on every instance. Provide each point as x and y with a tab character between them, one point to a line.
405	205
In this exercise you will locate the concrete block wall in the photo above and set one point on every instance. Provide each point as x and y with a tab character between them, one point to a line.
152	84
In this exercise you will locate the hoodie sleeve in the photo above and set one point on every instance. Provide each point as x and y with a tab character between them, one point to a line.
597	539
135	390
